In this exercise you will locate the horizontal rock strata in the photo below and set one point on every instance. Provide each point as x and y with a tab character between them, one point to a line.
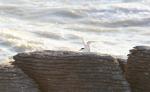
12	79
122	64
63	71
138	69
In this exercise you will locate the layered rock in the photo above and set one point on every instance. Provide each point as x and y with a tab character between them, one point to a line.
12	79
138	69
63	71
122	64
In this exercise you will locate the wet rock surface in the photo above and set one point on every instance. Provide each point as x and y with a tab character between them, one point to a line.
64	71
12	79
138	69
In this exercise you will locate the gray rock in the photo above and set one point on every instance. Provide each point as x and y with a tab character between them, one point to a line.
138	69
12	79
142	47
65	71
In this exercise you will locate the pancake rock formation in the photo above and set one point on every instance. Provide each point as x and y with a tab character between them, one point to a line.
122	64
138	69
12	79
65	71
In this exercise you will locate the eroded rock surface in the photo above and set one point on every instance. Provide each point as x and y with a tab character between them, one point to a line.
62	71
122	64
138	69
12	79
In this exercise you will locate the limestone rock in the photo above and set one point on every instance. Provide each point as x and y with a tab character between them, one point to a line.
12	79
65	71
138	69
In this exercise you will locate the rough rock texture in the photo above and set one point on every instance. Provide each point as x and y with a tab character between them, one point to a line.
122	64
138	69
64	71
12	79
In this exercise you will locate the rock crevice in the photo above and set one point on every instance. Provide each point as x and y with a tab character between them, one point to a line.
66	71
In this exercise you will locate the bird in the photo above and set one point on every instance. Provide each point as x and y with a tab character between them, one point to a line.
86	47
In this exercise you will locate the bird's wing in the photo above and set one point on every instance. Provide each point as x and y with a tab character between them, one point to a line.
84	43
89	42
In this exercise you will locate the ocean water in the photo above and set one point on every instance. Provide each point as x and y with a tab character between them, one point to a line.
115	26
